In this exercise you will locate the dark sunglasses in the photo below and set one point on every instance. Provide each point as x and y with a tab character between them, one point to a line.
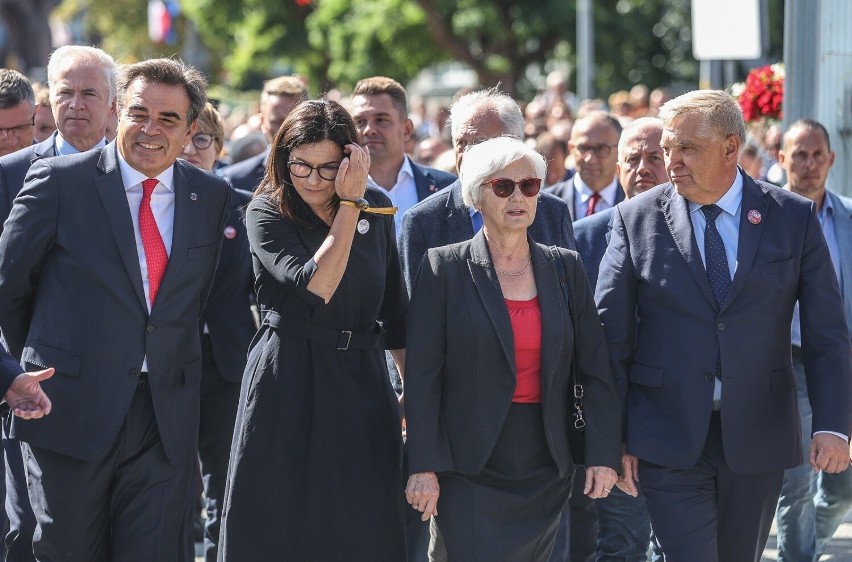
504	187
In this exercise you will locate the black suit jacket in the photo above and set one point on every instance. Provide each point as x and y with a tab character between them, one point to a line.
443	219
592	236
565	191
14	168
460	369
665	363
71	297
246	175
227	315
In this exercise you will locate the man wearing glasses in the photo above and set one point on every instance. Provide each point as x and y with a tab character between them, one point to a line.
594	187
17	106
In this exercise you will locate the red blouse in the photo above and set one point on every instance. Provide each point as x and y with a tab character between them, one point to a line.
526	326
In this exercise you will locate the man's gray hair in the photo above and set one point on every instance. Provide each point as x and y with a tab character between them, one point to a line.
634	127
719	110
14	89
489	157
83	56
487	101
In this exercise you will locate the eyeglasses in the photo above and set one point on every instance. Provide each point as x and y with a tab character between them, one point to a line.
600	150
504	187
18	130
201	141
299	169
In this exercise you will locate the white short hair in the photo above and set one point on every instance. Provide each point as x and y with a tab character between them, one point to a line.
489	157
85	55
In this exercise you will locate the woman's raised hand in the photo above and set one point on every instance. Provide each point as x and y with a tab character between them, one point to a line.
351	181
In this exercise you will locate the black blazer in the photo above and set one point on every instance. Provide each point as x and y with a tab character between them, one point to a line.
227	315
460	369
71	297
246	175
14	168
592	236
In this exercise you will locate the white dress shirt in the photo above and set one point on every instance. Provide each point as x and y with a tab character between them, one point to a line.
582	192
403	194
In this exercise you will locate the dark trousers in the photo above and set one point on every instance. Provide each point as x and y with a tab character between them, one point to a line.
578	526
219	401
20	519
126	506
708	513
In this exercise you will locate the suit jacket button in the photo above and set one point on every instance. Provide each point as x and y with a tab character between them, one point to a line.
135	373
708	376
149	328
720	326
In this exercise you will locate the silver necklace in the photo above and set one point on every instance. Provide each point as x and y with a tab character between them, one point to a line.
516	274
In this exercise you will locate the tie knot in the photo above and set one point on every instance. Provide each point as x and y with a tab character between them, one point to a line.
595	197
711	212
148	186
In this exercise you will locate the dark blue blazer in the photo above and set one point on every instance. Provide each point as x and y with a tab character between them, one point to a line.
664	363
14	168
429	180
227	315
71	297
246	175
565	191
592	236
443	219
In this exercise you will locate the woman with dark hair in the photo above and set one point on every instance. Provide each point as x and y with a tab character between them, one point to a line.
315	461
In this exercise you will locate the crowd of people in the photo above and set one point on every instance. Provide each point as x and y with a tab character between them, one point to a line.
375	331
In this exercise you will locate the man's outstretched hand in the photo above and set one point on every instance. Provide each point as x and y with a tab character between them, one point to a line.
25	396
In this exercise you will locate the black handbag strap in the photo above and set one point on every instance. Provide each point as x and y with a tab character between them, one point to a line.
574	380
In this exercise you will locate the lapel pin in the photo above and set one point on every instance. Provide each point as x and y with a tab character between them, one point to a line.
363	226
230	232
193	196
432	188
754	217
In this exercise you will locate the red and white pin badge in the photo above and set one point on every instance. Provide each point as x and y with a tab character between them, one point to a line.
432	188
754	217
230	232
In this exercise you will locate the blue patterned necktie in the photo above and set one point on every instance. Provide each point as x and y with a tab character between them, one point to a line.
715	258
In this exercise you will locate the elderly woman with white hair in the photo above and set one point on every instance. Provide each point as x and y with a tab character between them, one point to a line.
497	323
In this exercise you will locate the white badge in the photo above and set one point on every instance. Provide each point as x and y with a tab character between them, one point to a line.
363	226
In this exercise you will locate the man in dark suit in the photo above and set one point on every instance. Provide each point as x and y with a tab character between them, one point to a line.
105	275
278	98
444	219
624	527
811	506
17	111
594	187
82	94
380	112
696	293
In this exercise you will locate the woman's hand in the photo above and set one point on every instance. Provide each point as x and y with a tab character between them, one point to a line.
629	474
422	493
599	481
351	180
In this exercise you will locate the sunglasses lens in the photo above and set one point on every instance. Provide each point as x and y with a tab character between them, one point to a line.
530	186
503	187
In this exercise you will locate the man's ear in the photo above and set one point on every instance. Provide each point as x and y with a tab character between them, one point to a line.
408	129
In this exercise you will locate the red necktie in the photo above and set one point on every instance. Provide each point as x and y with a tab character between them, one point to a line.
155	250
593	200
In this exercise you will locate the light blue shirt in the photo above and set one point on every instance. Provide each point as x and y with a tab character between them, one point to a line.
63	147
728	225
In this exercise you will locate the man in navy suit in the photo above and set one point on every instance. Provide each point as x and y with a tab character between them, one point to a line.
594	186
696	292
107	260
624	527
380	112
444	219
81	83
811	505
278	98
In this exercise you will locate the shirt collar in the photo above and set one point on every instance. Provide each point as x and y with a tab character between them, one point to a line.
132	177
730	201
607	193
63	147
405	173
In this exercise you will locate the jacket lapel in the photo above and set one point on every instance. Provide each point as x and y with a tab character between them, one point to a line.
550	293
186	206
423	182
459	227
488	287
676	211
754	199
110	188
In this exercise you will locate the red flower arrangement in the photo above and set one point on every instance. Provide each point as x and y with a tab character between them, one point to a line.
762	96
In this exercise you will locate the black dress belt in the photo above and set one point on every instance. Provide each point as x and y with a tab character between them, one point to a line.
342	340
